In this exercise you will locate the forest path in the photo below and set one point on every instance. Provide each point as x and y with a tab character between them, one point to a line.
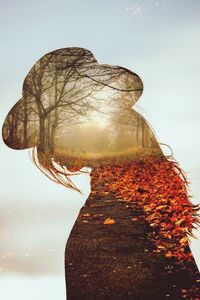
117	261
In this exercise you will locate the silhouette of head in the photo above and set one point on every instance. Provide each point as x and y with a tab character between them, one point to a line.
74	108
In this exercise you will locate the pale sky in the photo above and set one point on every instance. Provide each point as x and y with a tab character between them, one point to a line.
159	40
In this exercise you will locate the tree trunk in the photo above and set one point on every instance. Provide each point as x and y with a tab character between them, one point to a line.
42	145
52	140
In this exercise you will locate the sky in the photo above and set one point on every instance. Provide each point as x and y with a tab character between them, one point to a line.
160	41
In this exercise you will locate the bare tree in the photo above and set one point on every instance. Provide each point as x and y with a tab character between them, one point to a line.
63	88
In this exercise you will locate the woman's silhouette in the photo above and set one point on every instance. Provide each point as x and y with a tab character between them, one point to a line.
77	114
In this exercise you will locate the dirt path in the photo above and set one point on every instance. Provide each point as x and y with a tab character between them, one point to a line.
117	261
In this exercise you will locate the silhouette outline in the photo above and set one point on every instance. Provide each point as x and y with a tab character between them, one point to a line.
78	116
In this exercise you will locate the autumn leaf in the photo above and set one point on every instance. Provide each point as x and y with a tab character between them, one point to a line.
85	215
109	221
134	219
183	240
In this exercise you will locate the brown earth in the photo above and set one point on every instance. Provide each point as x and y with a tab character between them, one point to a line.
117	261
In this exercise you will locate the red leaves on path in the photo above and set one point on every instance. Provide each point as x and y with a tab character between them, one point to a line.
159	187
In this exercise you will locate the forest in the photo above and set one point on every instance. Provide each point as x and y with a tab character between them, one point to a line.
73	106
